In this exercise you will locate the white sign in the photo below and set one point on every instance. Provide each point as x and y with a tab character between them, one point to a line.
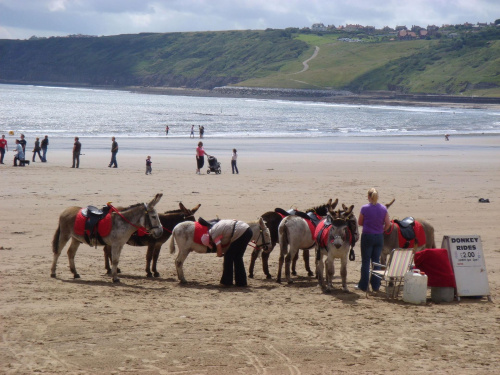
469	266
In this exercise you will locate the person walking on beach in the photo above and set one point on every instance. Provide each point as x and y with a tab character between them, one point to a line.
45	144
37	149
200	157
114	151
192	132
166	130
234	167
148	165
231	238
3	148
77	147
22	142
374	219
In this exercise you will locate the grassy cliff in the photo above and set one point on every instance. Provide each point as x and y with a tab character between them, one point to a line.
196	60
468	64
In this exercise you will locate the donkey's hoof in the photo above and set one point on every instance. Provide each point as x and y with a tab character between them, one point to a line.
290	281
108	272
250	275
149	274
183	282
157	274
269	277
53	275
310	273
294	273
77	276
117	280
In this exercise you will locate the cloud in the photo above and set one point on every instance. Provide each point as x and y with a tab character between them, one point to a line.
23	18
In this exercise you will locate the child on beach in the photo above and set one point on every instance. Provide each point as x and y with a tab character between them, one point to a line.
234	158
148	165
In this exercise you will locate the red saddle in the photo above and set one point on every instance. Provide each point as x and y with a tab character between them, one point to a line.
104	226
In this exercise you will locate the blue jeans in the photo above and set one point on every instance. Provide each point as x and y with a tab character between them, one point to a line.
44	154
113	160
233	166
371	248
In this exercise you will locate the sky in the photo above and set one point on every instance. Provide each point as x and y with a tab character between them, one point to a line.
21	19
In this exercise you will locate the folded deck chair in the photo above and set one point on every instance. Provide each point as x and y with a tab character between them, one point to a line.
393	273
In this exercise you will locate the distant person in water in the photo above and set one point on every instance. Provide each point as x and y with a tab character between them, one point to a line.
192	132
149	169
166	130
77	147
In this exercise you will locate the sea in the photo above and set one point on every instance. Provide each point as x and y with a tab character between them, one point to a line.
69	112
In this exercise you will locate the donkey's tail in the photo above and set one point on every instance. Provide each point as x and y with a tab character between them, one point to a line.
172	244
283	238
55	240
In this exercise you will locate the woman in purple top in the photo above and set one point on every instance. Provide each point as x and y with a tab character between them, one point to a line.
374	219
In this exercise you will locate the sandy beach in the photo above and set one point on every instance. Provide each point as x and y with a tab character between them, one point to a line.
157	326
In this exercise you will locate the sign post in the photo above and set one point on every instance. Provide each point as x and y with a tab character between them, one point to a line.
469	267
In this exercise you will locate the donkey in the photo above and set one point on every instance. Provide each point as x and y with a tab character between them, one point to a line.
391	238
333	241
183	234
168	220
294	234
273	220
123	223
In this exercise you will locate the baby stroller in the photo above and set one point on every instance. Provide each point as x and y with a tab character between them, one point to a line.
214	165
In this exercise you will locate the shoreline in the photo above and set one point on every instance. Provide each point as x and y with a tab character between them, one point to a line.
273	146
365	98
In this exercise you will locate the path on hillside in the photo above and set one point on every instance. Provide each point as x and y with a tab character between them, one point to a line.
305	63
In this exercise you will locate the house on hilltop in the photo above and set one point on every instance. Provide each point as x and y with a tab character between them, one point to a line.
353	27
318	27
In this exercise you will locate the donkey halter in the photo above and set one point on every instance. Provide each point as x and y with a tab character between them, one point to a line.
341	222
263	245
149	213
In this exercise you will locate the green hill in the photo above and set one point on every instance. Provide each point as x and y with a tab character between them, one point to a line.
468	64
195	60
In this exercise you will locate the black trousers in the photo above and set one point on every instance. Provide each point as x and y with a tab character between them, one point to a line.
233	259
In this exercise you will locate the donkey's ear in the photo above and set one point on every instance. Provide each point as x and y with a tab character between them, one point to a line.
344	207
348	212
262	223
181	206
390	204
329	203
155	200
335	203
194	209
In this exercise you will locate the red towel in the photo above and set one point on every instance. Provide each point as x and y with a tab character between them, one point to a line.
436	265
324	236
419	236
199	231
103	227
